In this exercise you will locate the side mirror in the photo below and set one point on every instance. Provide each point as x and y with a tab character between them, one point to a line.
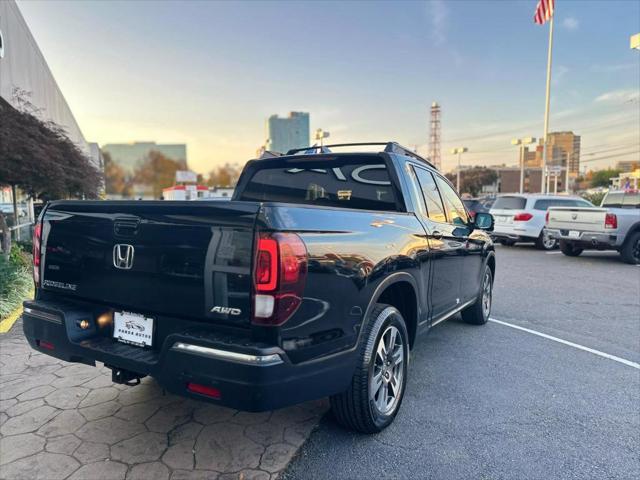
483	221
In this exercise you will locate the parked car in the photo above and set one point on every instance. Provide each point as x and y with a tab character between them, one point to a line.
314	280
521	218
475	205
613	226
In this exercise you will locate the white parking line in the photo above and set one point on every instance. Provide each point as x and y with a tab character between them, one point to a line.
629	363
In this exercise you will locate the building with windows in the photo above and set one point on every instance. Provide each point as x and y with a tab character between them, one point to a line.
25	78
628	166
285	133
563	148
130	155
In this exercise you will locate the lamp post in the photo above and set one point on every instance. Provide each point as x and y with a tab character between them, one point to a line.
459	151
522	142
321	135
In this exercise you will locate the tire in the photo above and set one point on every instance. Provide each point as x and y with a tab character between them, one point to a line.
631	249
544	242
569	249
508	243
360	408
478	313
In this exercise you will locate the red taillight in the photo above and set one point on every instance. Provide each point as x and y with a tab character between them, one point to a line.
37	237
546	217
522	217
279	275
472	214
204	390
610	220
267	265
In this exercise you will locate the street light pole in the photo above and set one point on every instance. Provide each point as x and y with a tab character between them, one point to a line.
459	151
522	142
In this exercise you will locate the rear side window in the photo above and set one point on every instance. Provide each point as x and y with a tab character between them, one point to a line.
346	182
435	209
560	202
631	200
510	203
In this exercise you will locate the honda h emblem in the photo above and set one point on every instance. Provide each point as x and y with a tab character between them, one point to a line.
574	216
123	256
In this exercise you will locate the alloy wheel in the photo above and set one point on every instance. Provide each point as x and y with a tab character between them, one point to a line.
387	376
486	295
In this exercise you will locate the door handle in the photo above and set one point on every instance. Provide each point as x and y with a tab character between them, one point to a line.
436	234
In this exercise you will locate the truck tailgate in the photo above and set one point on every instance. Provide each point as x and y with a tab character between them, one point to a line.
178	258
577	218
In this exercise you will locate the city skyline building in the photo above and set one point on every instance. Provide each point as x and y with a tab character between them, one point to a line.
562	148
130	155
286	133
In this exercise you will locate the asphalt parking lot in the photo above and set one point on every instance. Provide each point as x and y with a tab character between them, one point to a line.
482	402
499	402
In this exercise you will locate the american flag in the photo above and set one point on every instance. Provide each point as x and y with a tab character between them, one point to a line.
544	11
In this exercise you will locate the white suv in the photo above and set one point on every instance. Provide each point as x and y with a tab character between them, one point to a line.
521	217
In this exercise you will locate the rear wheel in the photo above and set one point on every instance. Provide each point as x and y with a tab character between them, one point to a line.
373	399
569	249
545	242
631	250
478	313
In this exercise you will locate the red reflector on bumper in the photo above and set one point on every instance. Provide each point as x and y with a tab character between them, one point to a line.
204	390
46	345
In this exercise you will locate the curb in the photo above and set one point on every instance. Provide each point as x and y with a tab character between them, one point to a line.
7	323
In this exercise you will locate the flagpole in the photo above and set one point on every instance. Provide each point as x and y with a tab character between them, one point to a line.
545	178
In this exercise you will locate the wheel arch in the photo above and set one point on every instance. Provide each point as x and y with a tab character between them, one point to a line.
399	290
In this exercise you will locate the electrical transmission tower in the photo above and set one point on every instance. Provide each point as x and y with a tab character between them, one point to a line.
434	137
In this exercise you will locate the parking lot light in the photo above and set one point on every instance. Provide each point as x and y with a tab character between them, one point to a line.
459	151
521	142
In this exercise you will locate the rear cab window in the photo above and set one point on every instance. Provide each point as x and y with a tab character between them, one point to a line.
544	204
354	181
622	200
510	203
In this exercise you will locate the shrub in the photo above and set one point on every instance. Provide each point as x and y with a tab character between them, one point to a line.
16	282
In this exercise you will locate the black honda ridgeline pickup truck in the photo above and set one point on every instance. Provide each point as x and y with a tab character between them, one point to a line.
314	280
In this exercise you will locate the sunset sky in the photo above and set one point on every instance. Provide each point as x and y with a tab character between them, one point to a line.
209	73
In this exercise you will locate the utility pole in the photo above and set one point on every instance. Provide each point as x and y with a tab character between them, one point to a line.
566	186
459	151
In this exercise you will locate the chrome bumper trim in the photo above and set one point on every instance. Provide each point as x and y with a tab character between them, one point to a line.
42	315
243	358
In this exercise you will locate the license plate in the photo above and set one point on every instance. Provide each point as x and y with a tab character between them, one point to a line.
574	234
133	328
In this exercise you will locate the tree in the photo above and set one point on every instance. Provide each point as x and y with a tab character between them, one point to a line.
115	179
158	172
224	176
473	179
600	178
39	158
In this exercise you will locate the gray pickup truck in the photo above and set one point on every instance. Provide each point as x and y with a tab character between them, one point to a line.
615	225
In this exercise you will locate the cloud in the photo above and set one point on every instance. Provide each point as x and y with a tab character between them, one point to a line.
571	23
438	14
619	96
558	74
615	68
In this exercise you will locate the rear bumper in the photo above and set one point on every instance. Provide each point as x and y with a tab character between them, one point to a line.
587	239
249	376
518	231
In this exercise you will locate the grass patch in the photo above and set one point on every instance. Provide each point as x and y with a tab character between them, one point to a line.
16	281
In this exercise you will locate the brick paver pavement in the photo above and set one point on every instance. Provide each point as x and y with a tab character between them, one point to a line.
61	420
